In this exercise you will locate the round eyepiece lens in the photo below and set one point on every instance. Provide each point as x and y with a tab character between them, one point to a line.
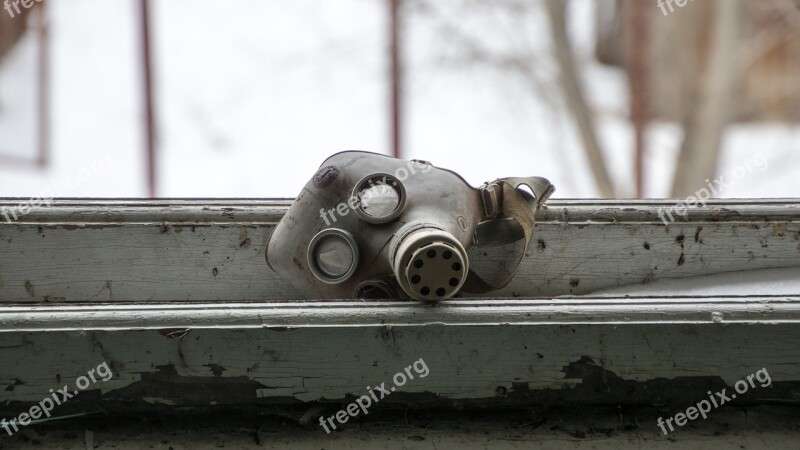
333	256
379	200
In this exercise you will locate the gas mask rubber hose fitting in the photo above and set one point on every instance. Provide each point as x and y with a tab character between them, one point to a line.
371	226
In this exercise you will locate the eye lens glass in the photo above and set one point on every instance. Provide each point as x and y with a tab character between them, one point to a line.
382	198
333	256
379	200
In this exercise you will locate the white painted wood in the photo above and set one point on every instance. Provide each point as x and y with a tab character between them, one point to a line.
176	297
461	313
572	351
213	250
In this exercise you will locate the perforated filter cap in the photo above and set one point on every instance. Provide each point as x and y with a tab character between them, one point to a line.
430	265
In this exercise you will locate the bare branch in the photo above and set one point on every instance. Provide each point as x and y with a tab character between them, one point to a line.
573	95
705	124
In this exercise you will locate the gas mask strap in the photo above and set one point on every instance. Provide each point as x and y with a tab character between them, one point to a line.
517	205
541	188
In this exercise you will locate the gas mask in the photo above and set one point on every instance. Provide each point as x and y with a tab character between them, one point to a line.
371	226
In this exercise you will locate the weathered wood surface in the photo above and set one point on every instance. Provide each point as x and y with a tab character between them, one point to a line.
213	250
282	316
175	296
497	352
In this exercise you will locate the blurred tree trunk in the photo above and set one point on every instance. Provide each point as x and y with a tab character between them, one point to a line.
705	121
638	50
12	28
576	103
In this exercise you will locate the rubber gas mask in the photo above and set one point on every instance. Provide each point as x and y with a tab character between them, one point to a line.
370	226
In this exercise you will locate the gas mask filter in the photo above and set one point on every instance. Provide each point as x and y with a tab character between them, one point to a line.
370	226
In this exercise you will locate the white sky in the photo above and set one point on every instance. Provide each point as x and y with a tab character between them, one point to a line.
253	95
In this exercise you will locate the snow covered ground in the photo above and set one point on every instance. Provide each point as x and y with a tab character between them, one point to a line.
253	95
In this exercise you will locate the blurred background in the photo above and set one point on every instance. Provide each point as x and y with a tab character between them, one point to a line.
245	98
